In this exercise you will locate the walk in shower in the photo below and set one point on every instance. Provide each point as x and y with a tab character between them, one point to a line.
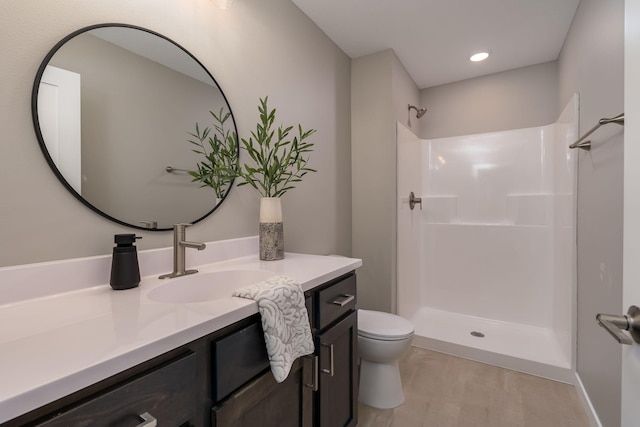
486	257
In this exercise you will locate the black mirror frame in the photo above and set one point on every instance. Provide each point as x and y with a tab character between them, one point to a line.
45	151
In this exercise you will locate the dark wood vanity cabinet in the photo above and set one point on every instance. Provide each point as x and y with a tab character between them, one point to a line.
224	379
321	389
336	340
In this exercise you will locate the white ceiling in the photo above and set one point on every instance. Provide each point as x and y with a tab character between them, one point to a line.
434	38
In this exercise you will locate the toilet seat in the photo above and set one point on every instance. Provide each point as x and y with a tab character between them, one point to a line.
383	326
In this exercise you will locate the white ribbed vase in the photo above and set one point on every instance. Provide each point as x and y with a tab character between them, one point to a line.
271	229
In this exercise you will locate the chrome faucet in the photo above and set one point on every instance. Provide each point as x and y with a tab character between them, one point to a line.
179	246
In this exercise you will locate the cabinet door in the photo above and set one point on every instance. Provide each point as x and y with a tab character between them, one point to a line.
336	403
264	402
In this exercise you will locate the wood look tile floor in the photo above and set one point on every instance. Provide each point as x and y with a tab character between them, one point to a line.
448	391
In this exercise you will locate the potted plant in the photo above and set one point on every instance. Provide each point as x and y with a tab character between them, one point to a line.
279	161
219	146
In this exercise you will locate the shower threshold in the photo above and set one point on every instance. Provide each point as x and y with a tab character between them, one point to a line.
523	348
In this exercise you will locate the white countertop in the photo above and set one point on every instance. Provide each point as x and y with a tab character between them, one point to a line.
54	345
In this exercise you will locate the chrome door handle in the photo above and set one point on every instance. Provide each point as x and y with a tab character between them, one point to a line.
147	420
413	201
616	324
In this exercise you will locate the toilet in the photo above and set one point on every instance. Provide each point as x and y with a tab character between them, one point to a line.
382	339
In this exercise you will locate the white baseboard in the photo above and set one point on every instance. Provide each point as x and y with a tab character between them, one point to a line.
586	402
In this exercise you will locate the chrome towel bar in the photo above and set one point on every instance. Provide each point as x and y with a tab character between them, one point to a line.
586	145
171	169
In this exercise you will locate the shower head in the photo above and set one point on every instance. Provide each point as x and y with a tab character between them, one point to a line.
419	111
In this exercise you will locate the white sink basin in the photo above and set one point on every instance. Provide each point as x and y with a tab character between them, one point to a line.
206	286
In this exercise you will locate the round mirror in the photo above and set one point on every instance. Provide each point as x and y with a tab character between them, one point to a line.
135	127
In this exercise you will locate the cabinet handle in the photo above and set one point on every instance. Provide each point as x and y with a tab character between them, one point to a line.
330	370
343	300
147	420
314	381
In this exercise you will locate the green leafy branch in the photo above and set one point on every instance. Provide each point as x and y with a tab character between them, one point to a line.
219	146
279	161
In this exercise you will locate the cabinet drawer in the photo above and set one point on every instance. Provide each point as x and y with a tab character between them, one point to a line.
167	393
237	358
335	300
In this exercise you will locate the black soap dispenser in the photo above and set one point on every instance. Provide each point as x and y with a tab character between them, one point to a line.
125	273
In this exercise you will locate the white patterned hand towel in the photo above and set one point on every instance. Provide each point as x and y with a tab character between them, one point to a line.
284	320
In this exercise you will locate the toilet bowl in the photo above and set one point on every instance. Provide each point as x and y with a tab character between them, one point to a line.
382	339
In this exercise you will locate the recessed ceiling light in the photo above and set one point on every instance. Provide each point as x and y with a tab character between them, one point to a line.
480	56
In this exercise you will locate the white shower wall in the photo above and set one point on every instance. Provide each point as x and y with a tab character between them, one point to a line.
488	246
495	239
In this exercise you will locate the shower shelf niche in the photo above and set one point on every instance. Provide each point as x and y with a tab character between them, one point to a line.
520	210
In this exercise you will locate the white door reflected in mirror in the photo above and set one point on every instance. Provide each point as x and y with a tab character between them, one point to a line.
59	114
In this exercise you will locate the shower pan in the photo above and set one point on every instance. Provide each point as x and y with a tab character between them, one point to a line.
486	261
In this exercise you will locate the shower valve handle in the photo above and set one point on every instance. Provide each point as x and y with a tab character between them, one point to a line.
616	324
413	201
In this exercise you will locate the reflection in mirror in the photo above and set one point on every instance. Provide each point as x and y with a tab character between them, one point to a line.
114	107
218	147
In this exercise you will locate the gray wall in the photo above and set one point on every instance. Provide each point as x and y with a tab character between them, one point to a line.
380	91
372	177
515	99
591	63
256	49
